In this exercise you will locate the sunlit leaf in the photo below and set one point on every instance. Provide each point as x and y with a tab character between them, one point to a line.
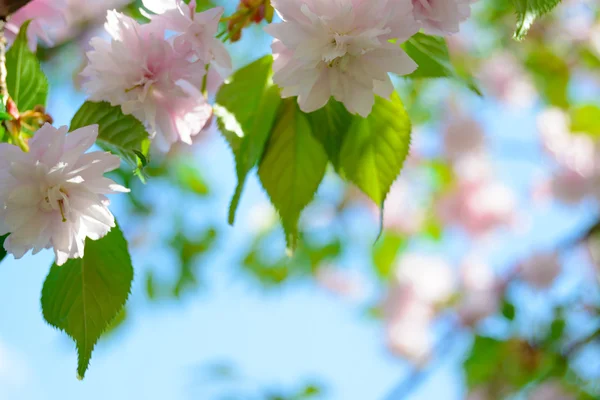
118	133
432	56
83	296
586	119
375	148
292	167
245	110
330	125
26	82
528	11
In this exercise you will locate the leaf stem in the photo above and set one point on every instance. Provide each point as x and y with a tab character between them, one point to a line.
3	71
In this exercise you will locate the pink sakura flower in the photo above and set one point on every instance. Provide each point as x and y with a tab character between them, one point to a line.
550	390
196	31
462	135
54	195
340	48
478	206
403	213
344	283
141	72
441	17
47	16
480	294
430	278
541	270
410	335
503	77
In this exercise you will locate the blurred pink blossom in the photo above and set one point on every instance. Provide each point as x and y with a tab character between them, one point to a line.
480	294
540	270
344	283
47	16
441	17
479	206
409	335
503	77
462	135
551	390
402	211
428	277
340	48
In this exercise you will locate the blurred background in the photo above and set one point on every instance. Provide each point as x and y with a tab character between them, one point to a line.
483	285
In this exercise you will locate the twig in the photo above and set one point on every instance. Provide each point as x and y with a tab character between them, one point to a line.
418	376
3	71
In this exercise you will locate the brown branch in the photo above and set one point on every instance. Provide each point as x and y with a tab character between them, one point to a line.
3	71
8	7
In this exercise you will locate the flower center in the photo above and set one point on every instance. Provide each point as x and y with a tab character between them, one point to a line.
56	199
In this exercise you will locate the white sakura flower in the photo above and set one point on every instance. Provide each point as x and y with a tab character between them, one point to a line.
197	31
430	278
141	72
340	48
54	196
441	17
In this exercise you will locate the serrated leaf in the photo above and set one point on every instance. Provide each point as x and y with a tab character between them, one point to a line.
292	167
118	133
433	58
26	82
83	296
330	125
528	11
375	148
246	108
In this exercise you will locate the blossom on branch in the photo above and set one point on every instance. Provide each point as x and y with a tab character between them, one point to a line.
141	72
54	196
340	49
196	31
441	17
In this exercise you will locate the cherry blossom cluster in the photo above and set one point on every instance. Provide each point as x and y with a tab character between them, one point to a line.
55	194
347	48
159	80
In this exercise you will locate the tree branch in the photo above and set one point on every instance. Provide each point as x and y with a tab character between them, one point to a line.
3	71
8	7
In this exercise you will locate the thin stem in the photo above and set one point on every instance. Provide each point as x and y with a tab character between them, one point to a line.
3	71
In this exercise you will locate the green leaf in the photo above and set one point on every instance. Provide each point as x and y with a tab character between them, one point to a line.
551	74
26	82
508	310
189	178
246	108
386	252
528	11
292	167
3	252
484	361
376	147
118	133
586	119
433	58
83	296
330	125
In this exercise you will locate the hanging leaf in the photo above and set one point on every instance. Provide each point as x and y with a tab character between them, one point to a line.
27	85
376	147
433	58
330	125
83	296
528	11
245	110
292	167
118	133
